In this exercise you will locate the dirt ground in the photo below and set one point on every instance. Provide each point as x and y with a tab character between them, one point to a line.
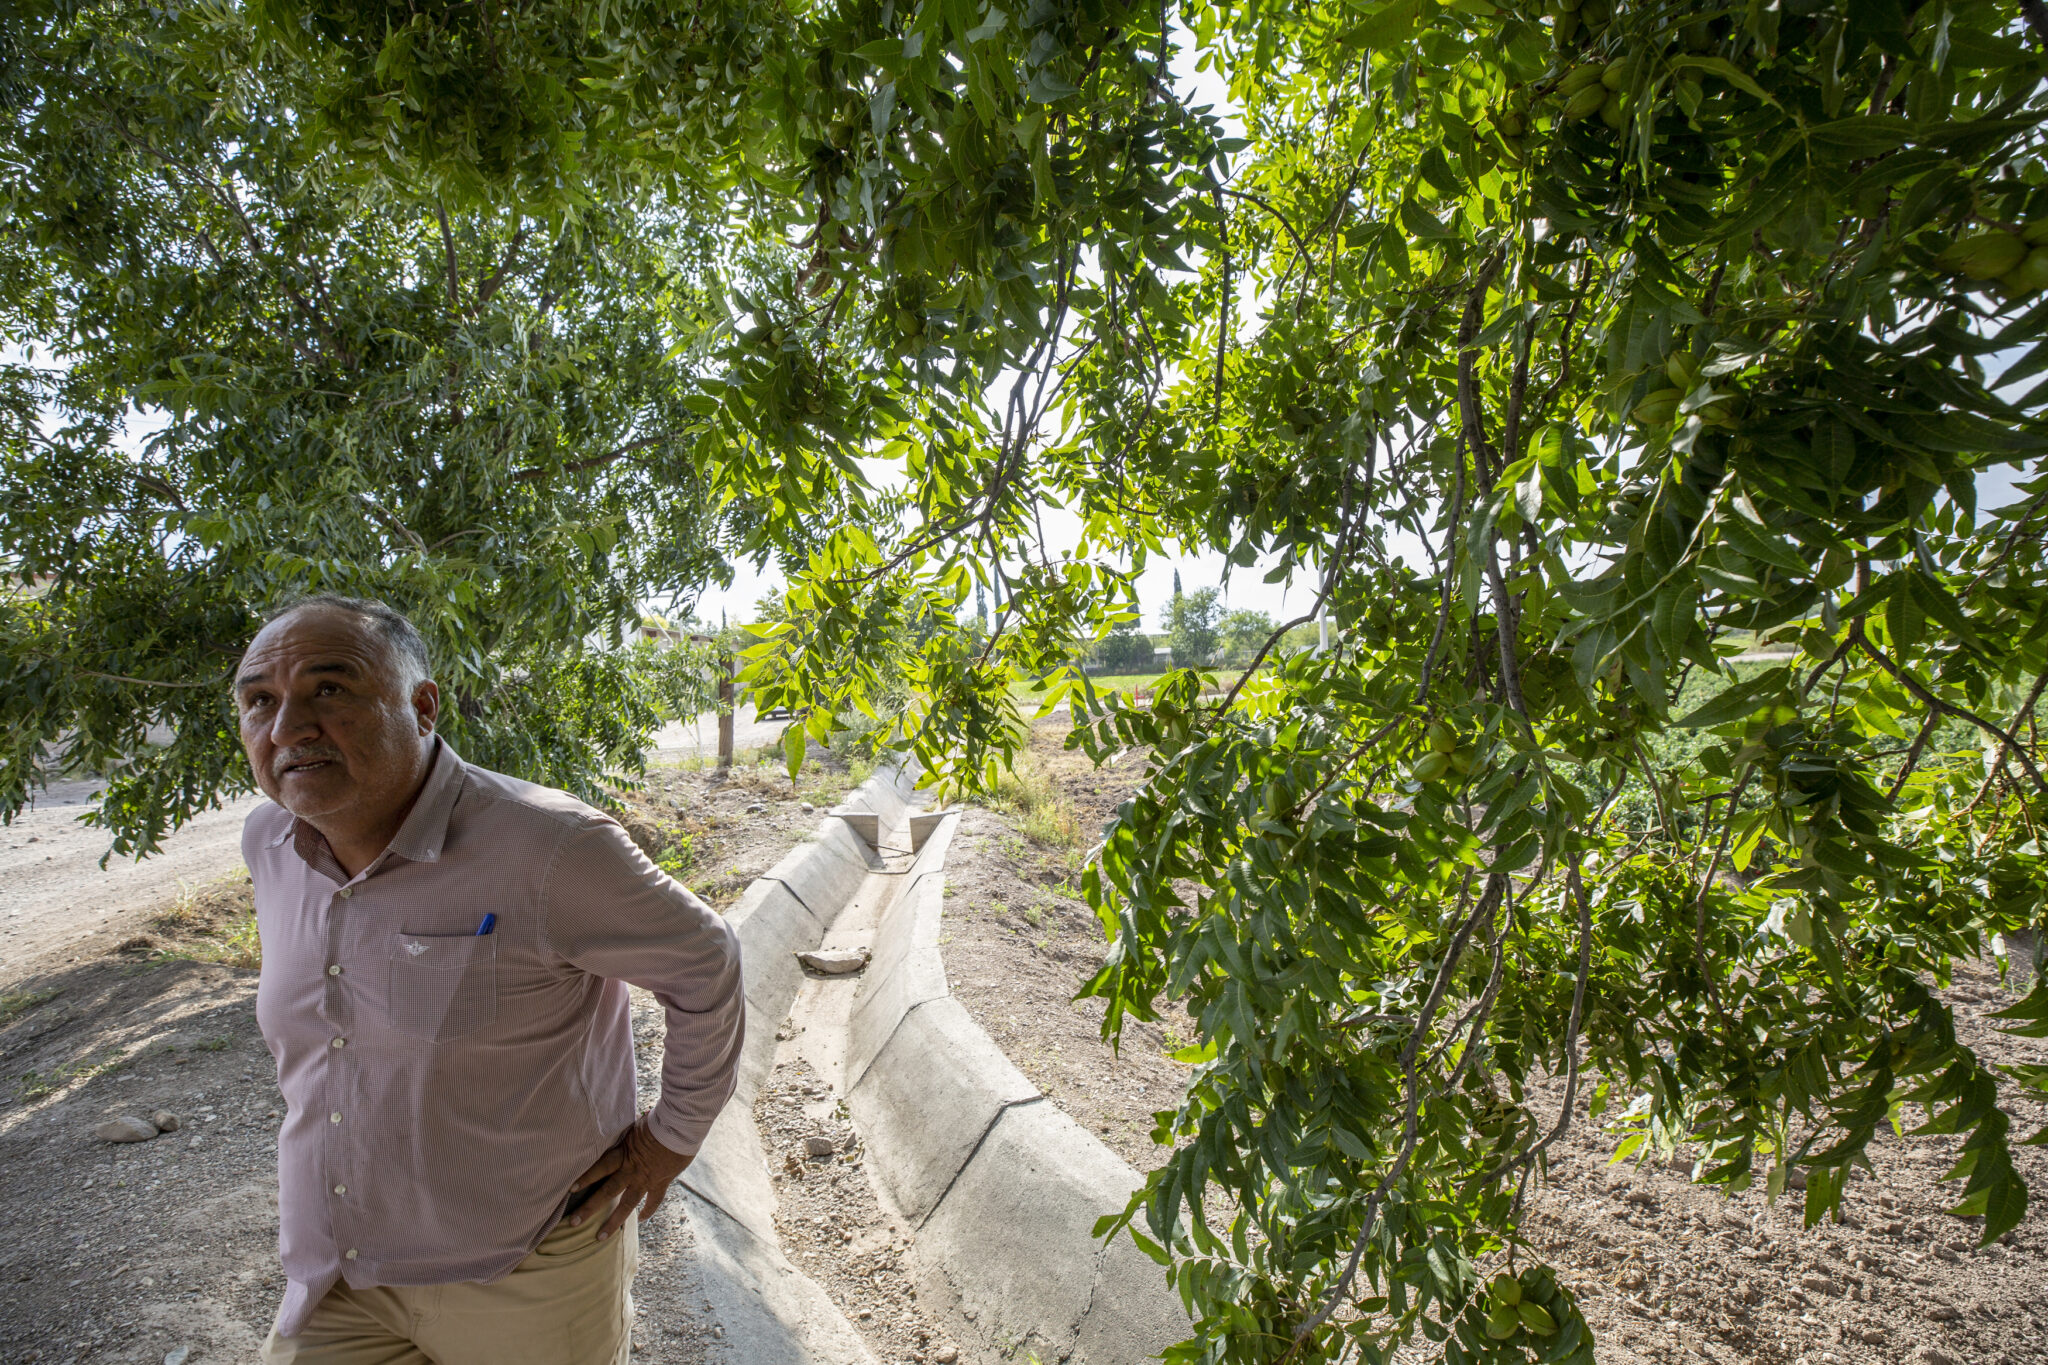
831	1224
1666	1271
126	1252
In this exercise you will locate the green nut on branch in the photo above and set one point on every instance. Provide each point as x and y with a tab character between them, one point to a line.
1984	255
1430	767
2030	276
1581	77
1586	102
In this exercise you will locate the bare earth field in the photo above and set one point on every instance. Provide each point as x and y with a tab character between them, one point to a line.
1667	1271
126	1252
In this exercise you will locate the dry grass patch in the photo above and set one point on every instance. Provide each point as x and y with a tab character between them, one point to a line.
207	922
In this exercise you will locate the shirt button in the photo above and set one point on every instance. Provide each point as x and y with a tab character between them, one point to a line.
341	1189
339	1042
349	1255
334	1117
346	892
334	971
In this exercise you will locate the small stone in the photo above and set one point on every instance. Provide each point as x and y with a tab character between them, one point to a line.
806	807
1941	1312
176	1355
1931	1355
127	1128
834	961
165	1121
1871	1336
1818	1284
756	808
819	1145
1944	1253
946	1355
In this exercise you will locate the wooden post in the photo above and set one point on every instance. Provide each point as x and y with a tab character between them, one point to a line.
725	670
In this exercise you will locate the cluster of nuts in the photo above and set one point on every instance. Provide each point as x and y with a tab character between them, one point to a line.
2016	260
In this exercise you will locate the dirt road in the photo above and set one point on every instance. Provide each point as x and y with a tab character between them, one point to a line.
54	896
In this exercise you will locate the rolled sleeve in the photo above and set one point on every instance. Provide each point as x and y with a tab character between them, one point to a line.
612	913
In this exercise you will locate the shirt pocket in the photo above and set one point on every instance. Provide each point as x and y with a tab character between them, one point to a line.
443	986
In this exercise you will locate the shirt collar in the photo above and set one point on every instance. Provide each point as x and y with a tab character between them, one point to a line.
425	829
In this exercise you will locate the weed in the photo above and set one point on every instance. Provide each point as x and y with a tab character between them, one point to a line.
214	922
1170	1040
236	944
1034	915
35	1085
679	852
21	1002
220	1044
1042	814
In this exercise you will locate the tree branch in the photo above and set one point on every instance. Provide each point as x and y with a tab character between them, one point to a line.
594	462
448	245
1912	684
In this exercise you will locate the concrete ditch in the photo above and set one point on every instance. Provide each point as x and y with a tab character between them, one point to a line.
998	1188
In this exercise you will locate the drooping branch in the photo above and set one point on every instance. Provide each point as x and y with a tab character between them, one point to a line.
1912	684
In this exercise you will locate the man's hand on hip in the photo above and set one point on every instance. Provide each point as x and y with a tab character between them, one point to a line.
638	1167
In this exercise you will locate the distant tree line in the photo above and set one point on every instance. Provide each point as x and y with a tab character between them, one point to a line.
1200	632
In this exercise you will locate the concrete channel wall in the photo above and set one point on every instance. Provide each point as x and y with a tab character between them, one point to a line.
1003	1187
771	1313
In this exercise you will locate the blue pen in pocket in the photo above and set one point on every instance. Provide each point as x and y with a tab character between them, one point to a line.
490	922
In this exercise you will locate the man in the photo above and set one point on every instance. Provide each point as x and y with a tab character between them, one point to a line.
444	958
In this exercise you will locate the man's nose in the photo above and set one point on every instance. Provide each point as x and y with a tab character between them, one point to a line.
296	721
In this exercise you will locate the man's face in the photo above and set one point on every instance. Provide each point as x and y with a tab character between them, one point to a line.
329	725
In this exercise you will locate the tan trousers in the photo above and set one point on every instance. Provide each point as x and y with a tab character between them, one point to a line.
569	1303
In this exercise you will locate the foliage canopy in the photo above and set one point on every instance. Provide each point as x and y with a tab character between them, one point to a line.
1669	333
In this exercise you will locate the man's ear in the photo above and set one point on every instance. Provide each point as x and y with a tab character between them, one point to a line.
426	702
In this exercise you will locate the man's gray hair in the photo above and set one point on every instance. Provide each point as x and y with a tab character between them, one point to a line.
408	646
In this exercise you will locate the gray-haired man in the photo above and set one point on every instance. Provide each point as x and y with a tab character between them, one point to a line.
444	958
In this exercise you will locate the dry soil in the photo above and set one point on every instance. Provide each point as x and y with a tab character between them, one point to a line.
1667	1270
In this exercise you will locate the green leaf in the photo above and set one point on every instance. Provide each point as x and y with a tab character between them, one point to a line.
1740	699
1386	25
794	742
1727	71
1861	137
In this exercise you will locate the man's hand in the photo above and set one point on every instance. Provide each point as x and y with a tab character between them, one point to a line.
638	1167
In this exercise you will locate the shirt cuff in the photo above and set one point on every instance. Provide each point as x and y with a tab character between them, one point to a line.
684	1139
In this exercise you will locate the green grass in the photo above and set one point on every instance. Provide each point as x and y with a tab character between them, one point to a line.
21	1002
35	1084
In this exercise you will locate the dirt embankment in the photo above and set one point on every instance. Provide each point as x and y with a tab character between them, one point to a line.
1666	1270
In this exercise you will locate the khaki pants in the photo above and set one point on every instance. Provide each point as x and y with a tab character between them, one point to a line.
569	1303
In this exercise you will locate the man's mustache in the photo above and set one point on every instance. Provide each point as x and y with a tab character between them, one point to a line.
292	758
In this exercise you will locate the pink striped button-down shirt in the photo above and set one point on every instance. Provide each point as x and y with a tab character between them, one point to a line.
446	1086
